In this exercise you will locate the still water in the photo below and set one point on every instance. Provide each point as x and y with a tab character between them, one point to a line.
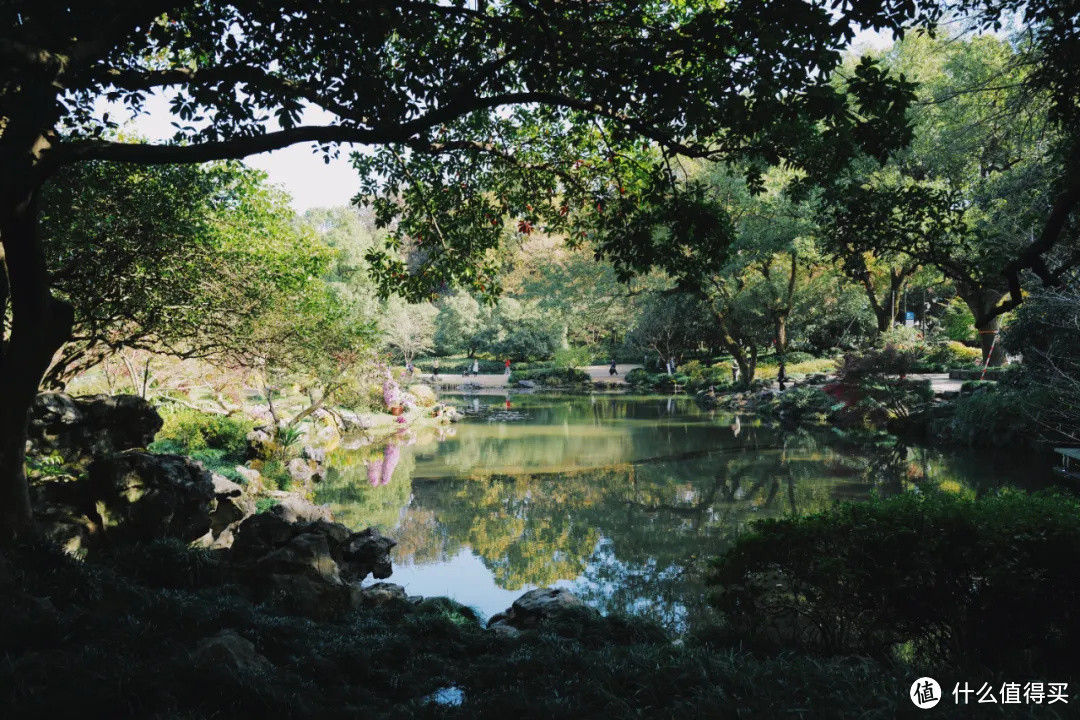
623	500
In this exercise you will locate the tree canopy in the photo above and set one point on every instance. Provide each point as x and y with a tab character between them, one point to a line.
480	119
187	259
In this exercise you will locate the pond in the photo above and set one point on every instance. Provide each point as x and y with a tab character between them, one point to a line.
624	500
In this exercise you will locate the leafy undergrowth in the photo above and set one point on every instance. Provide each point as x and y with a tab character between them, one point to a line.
116	636
987	584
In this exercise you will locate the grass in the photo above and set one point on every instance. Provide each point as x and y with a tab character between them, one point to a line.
807	367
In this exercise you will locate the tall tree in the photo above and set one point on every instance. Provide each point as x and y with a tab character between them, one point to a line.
976	185
455	97
458	324
409	328
184	259
1049	43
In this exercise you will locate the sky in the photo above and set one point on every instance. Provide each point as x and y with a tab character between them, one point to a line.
308	180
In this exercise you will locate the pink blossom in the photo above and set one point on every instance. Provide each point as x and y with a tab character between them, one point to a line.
374	472
391	459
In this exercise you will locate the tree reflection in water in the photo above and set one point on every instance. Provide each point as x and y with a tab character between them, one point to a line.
625	500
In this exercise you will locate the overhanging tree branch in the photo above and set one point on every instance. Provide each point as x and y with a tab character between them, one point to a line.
1033	256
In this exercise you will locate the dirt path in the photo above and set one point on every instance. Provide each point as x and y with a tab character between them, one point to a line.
597	373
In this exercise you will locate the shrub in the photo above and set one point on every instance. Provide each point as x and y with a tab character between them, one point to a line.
904	338
806	402
423	395
536	365
795	357
572	357
360	394
996	416
957	322
873	387
952	354
552	377
805	367
694	370
192	430
989	582
487	367
100	631
276	472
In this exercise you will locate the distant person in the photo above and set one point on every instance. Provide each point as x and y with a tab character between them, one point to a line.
409	368
435	368
475	367
507	366
734	372
612	370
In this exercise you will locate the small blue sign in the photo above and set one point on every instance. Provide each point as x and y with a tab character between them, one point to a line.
909	316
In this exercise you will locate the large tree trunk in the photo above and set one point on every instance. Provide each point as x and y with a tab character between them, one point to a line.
985	305
885	309
39	327
989	340
781	323
747	362
781	349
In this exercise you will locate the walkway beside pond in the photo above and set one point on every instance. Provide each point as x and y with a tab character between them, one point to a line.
597	373
941	383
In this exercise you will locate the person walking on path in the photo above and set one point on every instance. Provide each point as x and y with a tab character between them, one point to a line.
507	366
475	367
435	368
612	370
734	372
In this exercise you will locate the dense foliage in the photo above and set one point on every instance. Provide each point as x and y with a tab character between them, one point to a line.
384	662
923	576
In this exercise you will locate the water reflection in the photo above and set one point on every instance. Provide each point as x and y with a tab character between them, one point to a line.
623	500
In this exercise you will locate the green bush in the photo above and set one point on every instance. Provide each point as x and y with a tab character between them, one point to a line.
552	377
691	377
951	581
425	396
276	472
192	430
903	338
807	402
957	322
997	416
694	370
795	357
535	365
217	461
100	631
572	357
486	367
360	394
952	354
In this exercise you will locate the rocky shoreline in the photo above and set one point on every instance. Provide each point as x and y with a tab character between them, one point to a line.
294	555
